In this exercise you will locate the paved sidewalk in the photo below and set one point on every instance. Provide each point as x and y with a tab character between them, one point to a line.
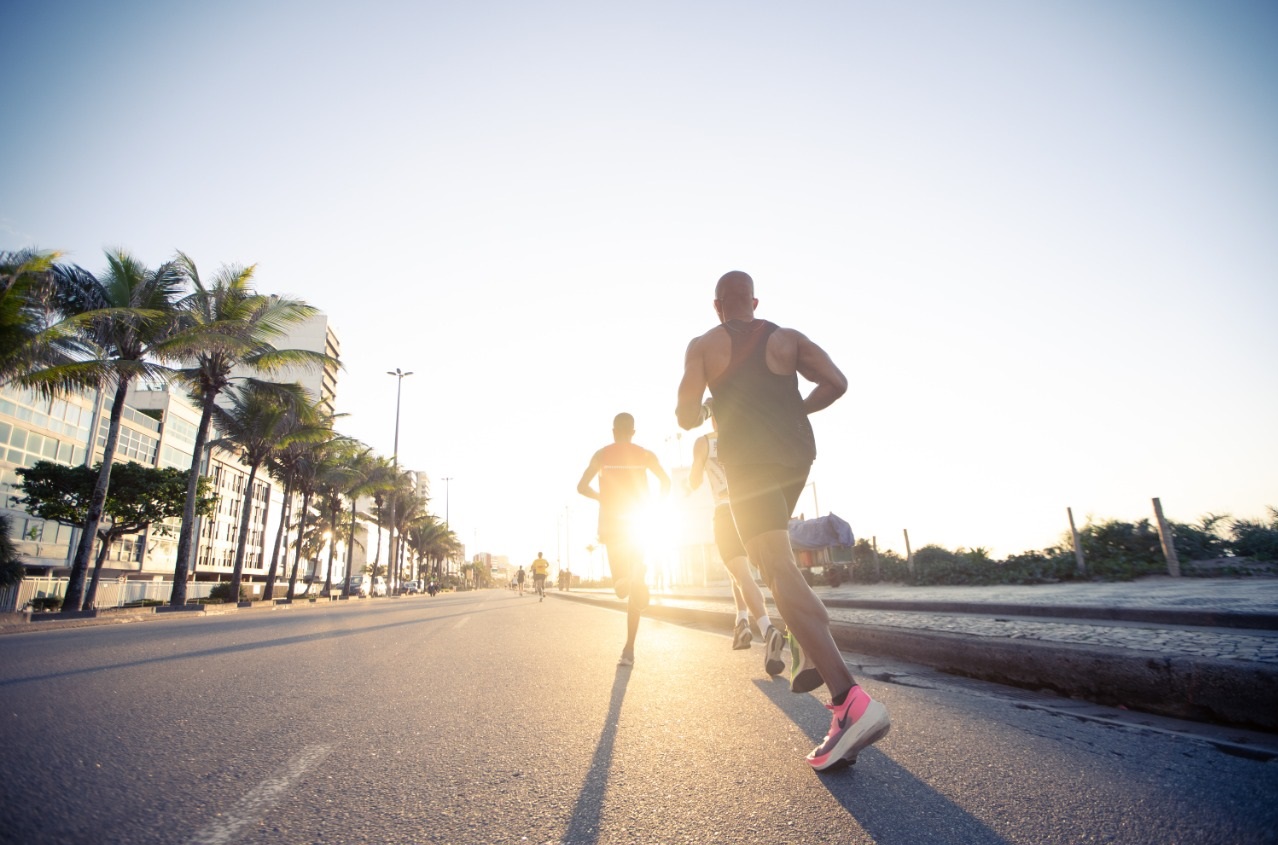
1203	649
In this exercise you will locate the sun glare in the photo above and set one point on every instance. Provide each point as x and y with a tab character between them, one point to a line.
659	527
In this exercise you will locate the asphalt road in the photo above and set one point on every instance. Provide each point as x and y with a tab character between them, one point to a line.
490	718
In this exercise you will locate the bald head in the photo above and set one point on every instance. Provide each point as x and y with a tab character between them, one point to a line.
623	427
734	296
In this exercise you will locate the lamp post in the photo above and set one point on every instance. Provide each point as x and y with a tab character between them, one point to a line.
447	479
815	503
393	563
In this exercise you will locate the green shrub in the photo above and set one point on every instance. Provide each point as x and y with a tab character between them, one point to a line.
860	570
1039	567
11	569
1255	538
1120	551
1202	541
43	603
1113	550
222	593
143	603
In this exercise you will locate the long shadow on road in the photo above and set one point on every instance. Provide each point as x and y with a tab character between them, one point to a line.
583	829
893	806
242	647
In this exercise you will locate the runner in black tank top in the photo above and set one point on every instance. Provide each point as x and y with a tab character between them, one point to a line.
767	448
760	414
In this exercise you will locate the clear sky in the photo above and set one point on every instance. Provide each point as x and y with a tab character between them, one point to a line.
1041	239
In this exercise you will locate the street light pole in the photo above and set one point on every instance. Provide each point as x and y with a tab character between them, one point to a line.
393	564
815	503
447	487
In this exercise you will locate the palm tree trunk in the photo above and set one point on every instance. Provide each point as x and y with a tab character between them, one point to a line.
350	554
91	594
334	512
89	533
183	566
246	515
301	531
285	512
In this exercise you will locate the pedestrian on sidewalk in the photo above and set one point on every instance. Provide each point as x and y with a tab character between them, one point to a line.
623	468
767	447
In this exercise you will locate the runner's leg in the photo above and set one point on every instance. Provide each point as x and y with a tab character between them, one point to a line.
801	608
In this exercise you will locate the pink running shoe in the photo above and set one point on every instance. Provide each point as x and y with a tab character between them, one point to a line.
858	723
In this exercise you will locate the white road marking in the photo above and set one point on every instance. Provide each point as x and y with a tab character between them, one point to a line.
260	799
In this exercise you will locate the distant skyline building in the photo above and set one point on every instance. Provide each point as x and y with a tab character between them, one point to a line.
421	482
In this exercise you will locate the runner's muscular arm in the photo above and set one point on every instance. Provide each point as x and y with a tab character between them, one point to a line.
816	366
692	389
583	486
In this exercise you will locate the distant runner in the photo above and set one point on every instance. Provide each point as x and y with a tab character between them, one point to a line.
622	468
540	569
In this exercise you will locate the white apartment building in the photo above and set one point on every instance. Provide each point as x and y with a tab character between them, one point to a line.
158	429
314	335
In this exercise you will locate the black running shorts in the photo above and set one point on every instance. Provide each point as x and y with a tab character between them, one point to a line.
726	536
763	496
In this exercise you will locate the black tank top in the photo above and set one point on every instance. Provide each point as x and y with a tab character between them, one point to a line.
759	413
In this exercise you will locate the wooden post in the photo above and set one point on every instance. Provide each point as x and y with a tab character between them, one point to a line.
1078	547
877	575
909	555
1169	542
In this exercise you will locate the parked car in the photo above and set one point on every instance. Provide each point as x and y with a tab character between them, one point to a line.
412	588
361	585
379	586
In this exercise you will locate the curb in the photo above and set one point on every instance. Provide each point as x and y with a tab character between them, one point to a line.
1228	692
113	616
1145	615
1219	691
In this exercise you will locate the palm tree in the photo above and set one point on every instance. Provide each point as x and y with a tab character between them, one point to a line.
283	466
312	461
386	481
405	505
445	546
118	324
423	534
226	325
337	474
262	417
26	309
368	474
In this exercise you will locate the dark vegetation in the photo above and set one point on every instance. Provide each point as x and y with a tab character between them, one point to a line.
1113	550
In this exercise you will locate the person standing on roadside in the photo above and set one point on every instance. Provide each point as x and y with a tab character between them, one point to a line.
623	468
519	580
767	447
